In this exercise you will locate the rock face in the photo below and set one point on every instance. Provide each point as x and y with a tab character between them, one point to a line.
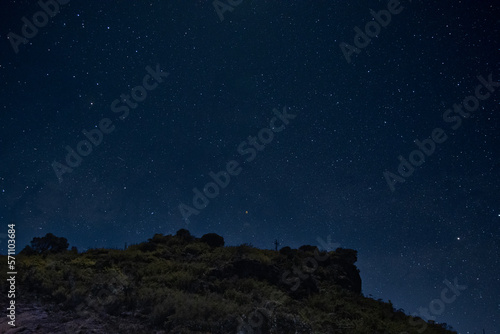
302	280
35	318
343	271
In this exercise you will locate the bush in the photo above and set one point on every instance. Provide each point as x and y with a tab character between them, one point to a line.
47	244
197	248
308	248
286	251
158	238
181	280
184	235
213	240
60	294
147	247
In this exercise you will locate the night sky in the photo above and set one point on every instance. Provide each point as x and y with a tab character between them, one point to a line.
302	132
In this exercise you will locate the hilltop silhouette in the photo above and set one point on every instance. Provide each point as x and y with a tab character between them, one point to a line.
183	284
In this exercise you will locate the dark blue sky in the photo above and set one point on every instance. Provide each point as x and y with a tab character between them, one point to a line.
321	175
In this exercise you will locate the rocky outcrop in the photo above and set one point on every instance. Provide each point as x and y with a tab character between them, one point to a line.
179	284
34	318
301	280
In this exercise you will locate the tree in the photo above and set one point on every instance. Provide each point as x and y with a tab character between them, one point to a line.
308	248
184	235
158	238
47	244
213	240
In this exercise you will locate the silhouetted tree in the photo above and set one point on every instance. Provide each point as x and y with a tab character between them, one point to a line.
158	238
184	235
308	248
47	244
213	240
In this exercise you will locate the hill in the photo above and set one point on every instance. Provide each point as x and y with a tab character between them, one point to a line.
182	284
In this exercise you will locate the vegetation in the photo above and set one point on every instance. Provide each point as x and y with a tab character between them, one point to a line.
213	240
47	244
182	284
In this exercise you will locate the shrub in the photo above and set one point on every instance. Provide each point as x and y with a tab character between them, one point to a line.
147	247
158	238
286	251
180	279
184	235
259	256
161	312
83	262
196	248
60	294
213	240
308	248
47	244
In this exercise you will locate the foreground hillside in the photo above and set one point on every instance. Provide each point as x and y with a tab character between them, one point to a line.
182	284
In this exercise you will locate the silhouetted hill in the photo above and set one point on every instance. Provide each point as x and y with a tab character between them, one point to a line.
182	284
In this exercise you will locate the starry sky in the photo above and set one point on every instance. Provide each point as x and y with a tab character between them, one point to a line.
301	123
